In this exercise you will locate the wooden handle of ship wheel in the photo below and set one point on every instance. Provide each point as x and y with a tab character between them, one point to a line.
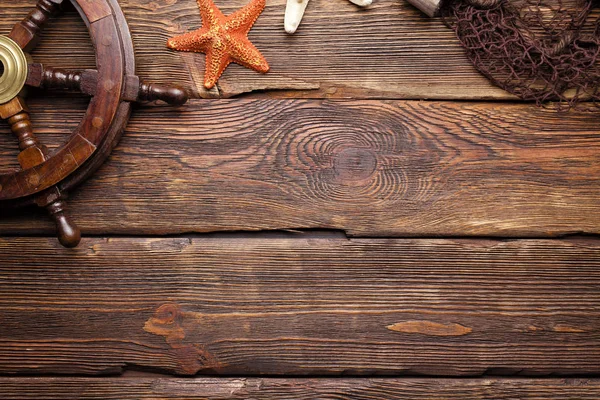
171	95
69	234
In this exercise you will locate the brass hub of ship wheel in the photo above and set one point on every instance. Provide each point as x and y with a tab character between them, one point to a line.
13	68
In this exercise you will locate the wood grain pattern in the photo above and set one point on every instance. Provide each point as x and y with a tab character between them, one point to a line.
299	389
300	305
308	304
390	50
370	168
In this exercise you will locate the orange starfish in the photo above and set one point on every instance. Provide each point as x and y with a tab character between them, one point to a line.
224	40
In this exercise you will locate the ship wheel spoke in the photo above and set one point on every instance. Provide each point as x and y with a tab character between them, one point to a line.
26	32
83	81
86	82
15	112
34	153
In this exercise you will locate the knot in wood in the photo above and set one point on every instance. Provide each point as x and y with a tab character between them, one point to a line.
352	165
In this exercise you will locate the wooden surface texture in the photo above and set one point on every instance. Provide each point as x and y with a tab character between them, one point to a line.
369	168
369	211
390	50
301	306
299	389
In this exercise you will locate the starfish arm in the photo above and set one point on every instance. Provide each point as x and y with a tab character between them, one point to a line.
243	52
210	13
198	41
217	61
243	19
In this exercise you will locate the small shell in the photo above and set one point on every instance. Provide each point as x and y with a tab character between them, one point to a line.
295	11
293	14
362	3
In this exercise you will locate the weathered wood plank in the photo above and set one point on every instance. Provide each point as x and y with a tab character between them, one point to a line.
389	50
301	306
274	389
371	168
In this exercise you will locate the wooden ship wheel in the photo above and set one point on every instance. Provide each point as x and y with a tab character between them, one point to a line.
45	177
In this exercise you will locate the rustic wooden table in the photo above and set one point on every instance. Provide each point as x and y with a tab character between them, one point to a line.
371	207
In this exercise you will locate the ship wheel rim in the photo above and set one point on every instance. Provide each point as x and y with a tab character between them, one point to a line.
92	141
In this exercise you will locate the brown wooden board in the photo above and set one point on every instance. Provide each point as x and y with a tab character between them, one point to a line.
304	305
370	168
299	389
389	50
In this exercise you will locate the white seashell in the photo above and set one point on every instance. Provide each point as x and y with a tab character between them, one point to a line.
295	11
362	3
293	14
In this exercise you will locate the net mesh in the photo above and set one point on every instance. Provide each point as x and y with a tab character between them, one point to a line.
540	50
